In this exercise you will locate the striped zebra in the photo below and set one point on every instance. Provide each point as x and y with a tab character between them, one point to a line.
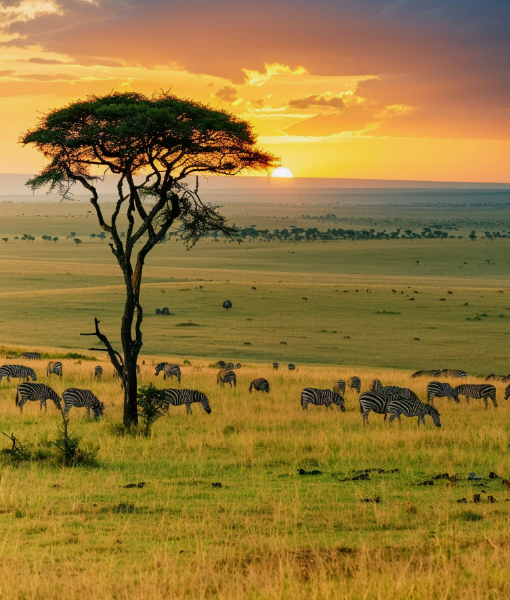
98	373
169	371
260	385
275	366
238	365
430	373
230	366
187	397
507	392
505	379
392	392
339	386
355	384
373	402
321	398
221	364
494	377
376	386
82	398
31	355
226	376
436	389
54	367
484	391
292	367
413	408
452	373
36	392
18	372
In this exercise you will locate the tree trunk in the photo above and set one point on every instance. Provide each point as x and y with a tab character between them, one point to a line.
131	349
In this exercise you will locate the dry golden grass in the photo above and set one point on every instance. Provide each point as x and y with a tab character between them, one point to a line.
267	532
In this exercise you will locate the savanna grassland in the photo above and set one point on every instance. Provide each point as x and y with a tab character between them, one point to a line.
267	532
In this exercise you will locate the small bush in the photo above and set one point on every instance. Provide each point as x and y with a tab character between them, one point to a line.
68	451
470	515
151	406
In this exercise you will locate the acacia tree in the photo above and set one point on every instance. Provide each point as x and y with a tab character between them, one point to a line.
150	145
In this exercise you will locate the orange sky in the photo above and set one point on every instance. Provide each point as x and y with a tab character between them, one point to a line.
337	88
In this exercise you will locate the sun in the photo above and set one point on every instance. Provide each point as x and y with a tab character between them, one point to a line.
282	172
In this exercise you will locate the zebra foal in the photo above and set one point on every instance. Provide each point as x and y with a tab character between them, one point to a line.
36	392
260	385
484	391
98	373
437	389
80	399
18	372
226	376
186	397
413	408
321	398
54	367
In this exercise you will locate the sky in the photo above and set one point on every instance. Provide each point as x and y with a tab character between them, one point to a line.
403	89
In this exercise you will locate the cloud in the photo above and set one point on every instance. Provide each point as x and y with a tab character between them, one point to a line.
352	119
317	102
226	94
44	61
48	77
7	73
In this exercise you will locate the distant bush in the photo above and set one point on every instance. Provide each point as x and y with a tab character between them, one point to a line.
189	324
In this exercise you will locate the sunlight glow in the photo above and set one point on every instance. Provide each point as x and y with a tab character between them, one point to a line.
281	172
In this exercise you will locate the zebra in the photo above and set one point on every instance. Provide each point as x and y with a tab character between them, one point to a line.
505	379
377	386
98	372
430	373
221	364
17	371
394	393
373	401
226	376
36	392
321	398
82	398
355	384
275	366
292	367
452	373
187	397
339	386
169	371
230	366
238	365
484	391
507	392
55	368
260	385
31	355
494	377
413	408
436	389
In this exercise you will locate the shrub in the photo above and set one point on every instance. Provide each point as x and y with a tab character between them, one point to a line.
150	406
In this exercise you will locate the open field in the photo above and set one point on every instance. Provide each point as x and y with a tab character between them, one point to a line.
51	291
267	532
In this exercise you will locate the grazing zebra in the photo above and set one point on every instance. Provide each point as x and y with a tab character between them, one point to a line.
431	373
394	393
436	389
377	386
452	373
292	367
484	391
169	371
221	364
339	386
355	384
36	392
82	398
260	385
55	368
31	355
275	366
187	397
98	373
238	365
413	408
227	376
507	392
321	398
494	377
17	371
373	402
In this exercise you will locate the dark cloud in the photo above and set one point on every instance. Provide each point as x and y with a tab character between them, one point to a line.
226	94
7	73
317	102
43	61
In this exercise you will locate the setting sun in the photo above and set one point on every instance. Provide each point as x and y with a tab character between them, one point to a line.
282	172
